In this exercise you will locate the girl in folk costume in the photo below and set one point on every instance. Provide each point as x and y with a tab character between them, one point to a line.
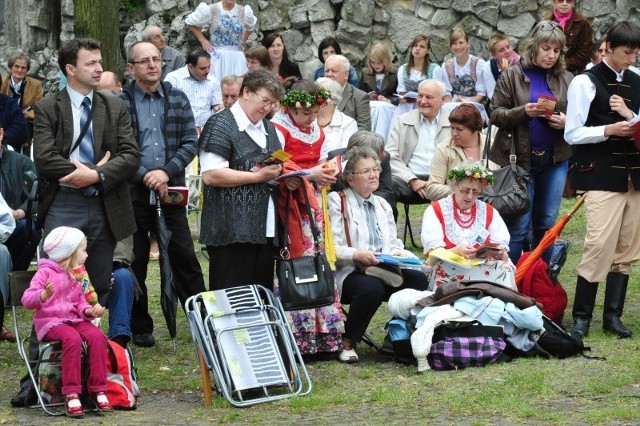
462	224
462	74
229	27
419	67
320	329
63	314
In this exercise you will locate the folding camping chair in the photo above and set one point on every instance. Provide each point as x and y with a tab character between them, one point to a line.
241	335
45	374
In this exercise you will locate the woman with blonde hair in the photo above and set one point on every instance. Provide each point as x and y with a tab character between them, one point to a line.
462	74
379	76
530	102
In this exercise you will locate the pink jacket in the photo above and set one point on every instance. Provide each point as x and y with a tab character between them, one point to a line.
65	306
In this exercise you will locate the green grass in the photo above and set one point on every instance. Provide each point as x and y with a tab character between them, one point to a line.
380	391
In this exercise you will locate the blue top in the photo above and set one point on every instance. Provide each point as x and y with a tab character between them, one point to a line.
541	135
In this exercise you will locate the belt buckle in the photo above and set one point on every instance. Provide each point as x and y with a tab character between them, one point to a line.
538	153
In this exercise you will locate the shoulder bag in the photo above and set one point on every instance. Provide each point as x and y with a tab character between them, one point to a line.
508	195
390	275
305	282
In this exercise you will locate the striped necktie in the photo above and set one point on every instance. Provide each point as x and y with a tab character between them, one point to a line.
86	145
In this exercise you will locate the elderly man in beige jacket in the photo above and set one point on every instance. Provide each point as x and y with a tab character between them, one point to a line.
412	142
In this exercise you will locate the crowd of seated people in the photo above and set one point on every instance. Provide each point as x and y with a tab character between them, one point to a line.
256	102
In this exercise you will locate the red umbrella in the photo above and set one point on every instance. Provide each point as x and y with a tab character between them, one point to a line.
547	241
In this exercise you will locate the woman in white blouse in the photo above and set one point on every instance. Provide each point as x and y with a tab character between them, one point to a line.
462	74
337	126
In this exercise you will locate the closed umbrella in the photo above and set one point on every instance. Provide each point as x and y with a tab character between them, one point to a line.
168	297
547	241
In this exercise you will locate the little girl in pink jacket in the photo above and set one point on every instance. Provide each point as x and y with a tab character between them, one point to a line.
63	314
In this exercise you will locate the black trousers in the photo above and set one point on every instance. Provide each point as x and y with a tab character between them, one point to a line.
364	294
187	273
241	264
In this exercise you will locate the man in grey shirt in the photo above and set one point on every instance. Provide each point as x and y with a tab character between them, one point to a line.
172	59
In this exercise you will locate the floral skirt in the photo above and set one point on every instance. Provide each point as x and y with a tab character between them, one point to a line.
496	271
317	330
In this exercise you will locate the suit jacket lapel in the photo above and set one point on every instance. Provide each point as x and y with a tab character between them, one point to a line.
347	93
66	114
99	114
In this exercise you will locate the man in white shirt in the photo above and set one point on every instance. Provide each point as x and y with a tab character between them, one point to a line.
603	104
202	89
413	139
354	102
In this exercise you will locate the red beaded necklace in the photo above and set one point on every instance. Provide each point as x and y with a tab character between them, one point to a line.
466	222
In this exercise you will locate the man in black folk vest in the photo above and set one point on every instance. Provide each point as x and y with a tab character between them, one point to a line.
603	104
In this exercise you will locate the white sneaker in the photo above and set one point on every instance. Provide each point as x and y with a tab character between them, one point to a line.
348	356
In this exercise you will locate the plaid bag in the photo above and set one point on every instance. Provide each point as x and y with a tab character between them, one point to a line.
459	352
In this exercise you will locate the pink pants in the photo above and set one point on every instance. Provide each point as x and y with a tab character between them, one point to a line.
72	336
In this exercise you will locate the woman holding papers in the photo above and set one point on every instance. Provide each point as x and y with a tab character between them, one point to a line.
298	129
529	103
363	226
320	329
473	234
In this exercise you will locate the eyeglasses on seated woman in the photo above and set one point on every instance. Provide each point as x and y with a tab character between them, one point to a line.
363	226
464	237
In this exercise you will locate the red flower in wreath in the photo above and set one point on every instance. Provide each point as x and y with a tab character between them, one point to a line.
320	101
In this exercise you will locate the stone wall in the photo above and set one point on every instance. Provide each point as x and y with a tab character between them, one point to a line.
38	26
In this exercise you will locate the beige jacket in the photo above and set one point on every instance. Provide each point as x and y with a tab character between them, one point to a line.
447	156
403	139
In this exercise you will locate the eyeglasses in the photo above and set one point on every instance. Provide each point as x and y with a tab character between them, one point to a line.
374	170
147	61
547	26
601	50
267	101
468	191
565	1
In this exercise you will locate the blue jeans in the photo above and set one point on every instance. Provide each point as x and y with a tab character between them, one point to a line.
545	192
121	302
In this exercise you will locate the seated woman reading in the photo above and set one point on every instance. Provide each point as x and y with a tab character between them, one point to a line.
473	234
367	228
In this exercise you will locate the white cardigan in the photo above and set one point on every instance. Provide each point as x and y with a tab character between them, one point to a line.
358	231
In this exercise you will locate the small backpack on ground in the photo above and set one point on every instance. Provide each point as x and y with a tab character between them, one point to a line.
537	284
554	342
122	380
399	335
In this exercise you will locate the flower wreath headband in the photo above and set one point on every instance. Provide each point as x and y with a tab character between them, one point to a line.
479	173
301	99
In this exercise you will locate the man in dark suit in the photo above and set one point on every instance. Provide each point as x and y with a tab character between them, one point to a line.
355	102
85	176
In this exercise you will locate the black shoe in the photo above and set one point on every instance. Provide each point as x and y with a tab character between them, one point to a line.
21	397
144	340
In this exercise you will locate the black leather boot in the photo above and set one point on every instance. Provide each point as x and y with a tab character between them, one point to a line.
614	297
583	304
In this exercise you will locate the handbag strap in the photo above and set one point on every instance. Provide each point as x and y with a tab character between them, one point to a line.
487	147
284	253
345	217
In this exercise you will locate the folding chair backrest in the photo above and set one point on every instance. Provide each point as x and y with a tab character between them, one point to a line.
19	282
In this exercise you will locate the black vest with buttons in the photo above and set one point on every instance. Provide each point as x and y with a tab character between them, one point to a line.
608	165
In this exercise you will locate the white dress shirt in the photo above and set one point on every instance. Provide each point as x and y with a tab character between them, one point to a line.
203	95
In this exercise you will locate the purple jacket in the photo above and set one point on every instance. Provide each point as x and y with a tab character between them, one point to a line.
65	306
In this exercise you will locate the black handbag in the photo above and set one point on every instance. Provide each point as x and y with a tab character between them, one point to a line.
509	193
305	282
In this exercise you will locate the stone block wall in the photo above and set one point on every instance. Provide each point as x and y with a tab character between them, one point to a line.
38	26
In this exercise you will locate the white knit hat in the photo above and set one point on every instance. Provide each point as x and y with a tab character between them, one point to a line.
62	242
